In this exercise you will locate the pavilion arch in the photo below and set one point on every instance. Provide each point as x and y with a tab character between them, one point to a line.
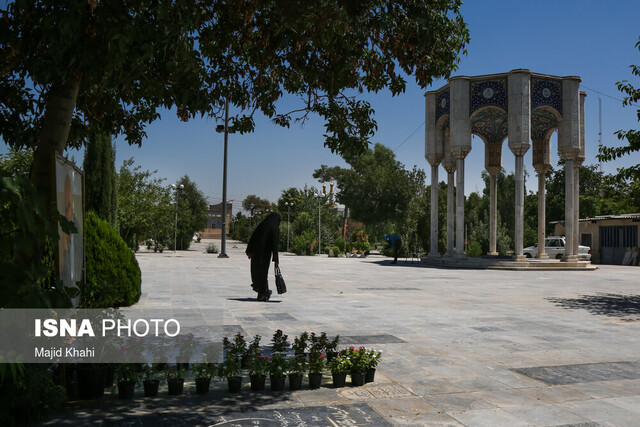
520	106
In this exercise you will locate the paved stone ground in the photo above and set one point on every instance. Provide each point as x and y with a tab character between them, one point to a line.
460	347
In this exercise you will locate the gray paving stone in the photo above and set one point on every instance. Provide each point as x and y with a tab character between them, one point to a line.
450	338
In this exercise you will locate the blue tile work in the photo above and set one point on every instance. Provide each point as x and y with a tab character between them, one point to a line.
489	92
442	104
541	123
490	124
546	92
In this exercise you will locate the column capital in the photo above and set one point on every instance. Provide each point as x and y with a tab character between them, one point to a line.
541	168
434	159
493	170
460	152
569	153
450	167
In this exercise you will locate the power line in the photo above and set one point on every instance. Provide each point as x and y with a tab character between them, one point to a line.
407	138
608	96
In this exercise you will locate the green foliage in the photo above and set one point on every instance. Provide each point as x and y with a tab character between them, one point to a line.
340	364
29	235
113	274
30	396
127	373
192	211
474	250
145	206
16	162
335	249
100	178
607	154
253	203
375	172
203	371
212	248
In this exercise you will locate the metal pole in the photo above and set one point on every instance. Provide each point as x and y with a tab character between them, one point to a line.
319	228
288	214
175	228
223	243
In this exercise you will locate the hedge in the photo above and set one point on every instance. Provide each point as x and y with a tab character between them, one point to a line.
113	274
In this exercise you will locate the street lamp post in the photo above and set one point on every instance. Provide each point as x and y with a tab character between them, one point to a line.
288	205
224	128
251	207
175	227
319	196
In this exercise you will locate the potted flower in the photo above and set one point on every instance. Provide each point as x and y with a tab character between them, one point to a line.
251	351
331	347
279	342
159	355
277	367
340	366
296	366
236	348
358	365
149	381
258	368
126	377
230	370
186	347
371	360
175	380
203	378
317	363
300	343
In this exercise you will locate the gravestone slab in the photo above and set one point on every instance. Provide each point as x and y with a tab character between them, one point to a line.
574	374
370	339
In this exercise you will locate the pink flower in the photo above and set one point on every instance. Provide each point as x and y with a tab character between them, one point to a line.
322	355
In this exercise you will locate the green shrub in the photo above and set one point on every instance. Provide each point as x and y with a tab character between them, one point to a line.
474	250
113	274
212	248
304	243
336	250
341	244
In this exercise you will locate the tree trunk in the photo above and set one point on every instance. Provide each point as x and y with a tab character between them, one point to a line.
53	136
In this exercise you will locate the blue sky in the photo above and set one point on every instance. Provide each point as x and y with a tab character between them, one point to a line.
592	39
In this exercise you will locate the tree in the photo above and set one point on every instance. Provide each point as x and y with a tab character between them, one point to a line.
100	178
377	188
607	154
253	202
192	212
145	208
73	68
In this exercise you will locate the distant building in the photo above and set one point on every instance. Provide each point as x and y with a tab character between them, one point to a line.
214	223
608	236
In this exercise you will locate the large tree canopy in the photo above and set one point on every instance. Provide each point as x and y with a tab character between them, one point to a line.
376	188
113	65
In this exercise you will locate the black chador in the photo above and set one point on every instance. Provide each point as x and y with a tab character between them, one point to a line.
262	248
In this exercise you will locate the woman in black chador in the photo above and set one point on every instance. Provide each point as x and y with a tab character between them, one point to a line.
263	246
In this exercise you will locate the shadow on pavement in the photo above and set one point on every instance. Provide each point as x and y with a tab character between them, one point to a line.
603	304
251	300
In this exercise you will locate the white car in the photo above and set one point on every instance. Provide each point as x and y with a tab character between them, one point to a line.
554	247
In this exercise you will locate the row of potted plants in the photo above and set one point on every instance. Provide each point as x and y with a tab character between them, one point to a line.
309	354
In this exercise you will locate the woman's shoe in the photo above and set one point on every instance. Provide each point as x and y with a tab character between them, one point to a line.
268	296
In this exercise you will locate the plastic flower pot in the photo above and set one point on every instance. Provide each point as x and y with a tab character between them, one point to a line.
257	382
151	387
295	382
357	379
339	379
370	376
277	383
235	384
202	385
176	386
91	380
315	379
126	389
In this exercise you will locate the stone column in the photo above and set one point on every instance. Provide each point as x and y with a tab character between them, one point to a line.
433	154
433	252
579	160
493	165
519	120
569	149
542	163
460	126
449	164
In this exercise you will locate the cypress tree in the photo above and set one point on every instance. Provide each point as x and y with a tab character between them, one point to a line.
100	178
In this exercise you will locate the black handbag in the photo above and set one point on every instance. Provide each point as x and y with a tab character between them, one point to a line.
280	286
